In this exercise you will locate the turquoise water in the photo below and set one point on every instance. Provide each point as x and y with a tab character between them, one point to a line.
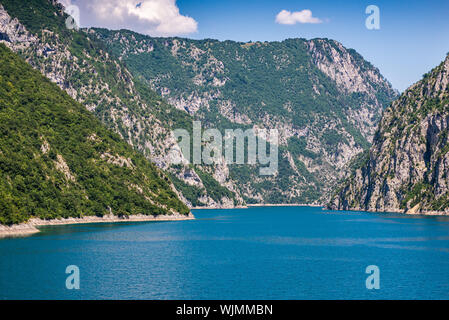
256	253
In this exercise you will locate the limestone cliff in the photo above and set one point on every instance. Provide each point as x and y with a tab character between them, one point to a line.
406	169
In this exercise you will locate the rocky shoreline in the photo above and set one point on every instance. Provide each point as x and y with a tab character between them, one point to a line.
31	227
285	205
393	210
218	207
261	205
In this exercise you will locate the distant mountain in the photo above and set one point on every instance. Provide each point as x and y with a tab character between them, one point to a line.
324	99
407	168
57	160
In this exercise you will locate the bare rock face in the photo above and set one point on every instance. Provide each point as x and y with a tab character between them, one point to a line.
407	167
338	63
12	33
353	75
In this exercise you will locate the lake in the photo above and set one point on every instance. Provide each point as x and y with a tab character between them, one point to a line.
255	253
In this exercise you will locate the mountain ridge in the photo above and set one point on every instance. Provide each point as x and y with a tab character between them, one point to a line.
324	99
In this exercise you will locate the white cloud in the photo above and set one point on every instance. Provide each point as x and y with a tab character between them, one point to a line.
152	17
304	16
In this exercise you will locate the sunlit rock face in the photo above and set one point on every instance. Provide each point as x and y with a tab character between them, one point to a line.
407	167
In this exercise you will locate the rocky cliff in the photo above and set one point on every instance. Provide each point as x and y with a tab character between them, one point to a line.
406	169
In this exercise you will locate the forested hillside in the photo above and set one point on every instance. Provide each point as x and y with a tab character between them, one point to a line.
57	160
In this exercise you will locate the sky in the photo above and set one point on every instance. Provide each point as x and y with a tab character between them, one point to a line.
413	36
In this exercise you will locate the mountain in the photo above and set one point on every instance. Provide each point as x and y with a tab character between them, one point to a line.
58	160
84	68
324	99
406	169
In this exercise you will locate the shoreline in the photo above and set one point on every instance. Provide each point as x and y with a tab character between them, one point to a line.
31	227
262	205
218	208
398	211
285	205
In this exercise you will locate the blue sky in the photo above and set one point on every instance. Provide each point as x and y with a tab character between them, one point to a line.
413	35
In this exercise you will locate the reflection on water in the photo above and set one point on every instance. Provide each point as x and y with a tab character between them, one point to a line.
256	253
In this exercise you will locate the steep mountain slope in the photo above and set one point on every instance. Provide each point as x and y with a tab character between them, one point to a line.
407	167
57	160
324	99
83	67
